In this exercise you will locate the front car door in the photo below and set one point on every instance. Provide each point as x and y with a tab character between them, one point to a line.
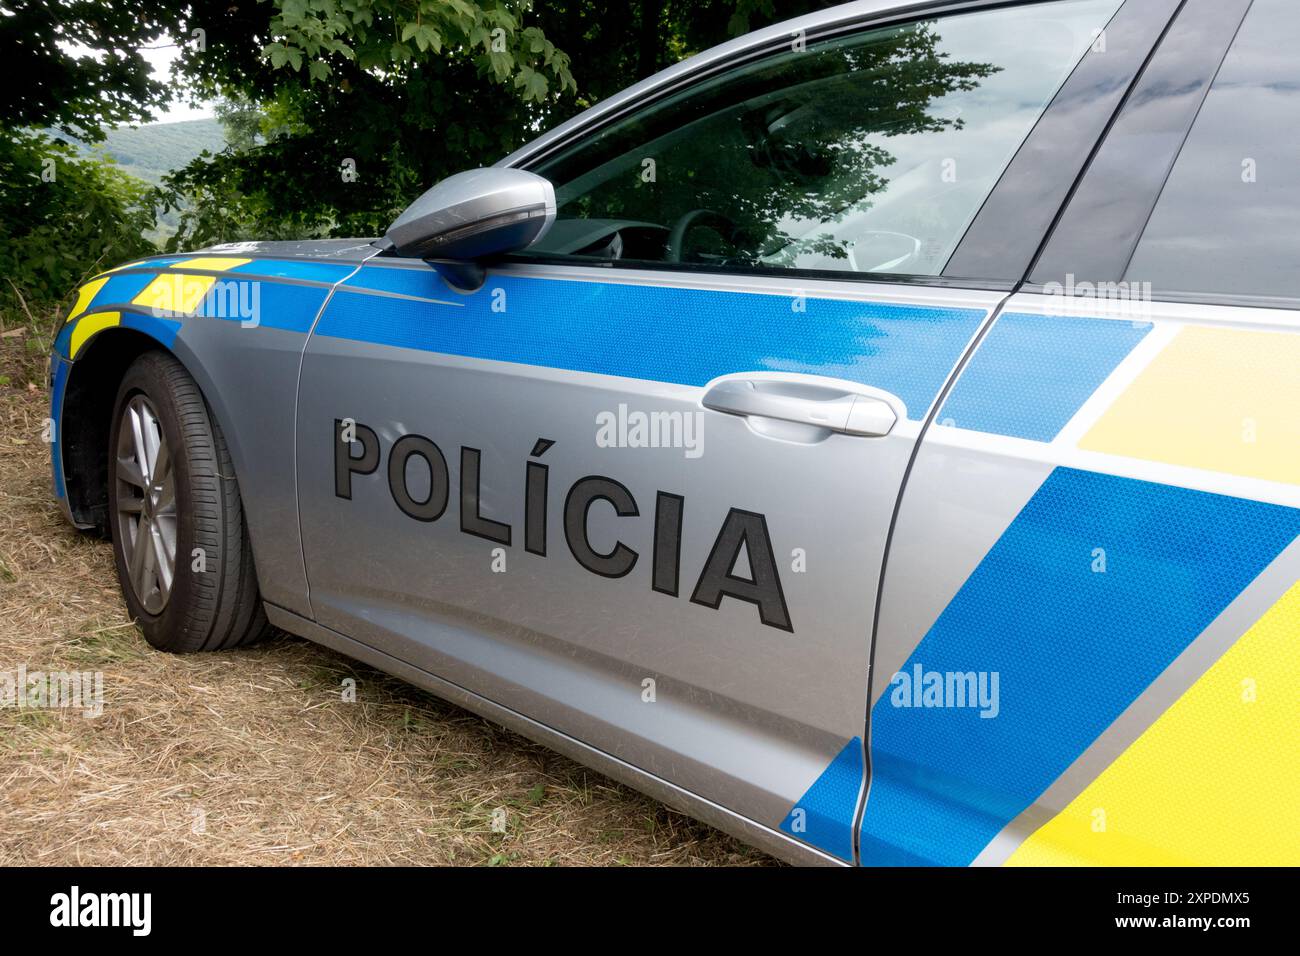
638	486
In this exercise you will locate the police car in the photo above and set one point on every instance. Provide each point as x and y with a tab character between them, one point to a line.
876	436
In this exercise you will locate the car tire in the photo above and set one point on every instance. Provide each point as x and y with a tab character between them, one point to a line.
181	510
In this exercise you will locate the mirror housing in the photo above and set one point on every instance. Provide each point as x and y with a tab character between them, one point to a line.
474	215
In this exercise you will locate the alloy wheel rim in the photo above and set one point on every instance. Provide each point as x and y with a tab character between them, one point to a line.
146	504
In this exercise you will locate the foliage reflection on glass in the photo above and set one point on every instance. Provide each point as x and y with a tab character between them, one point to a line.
771	152
864	153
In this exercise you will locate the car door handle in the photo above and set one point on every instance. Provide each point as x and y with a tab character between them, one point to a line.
831	407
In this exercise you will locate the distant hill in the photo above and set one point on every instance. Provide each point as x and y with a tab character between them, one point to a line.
150	152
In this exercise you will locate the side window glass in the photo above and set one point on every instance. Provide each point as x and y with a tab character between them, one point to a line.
868	154
1225	222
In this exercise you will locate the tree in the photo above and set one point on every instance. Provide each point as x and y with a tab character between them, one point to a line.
241	120
338	81
378	99
422	74
358	104
64	217
80	63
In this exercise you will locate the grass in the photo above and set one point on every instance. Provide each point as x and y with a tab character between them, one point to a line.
254	757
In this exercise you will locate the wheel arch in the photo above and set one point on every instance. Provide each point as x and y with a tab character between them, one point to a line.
84	417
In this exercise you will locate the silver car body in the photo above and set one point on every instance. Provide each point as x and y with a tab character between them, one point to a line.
747	621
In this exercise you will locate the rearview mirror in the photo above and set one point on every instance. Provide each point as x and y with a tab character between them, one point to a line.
475	214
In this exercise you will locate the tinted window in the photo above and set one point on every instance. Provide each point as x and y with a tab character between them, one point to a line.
1227	219
863	154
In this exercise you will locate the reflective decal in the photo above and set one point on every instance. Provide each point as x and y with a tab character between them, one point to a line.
85	296
57	389
121	289
823	816
1213	781
1096	586
685	336
1033	372
304	270
174	294
422	283
250	301
88	326
257	304
1225	400
74	335
211	263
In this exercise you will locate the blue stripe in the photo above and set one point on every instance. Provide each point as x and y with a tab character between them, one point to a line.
328	272
664	334
824	814
57	389
425	282
1033	372
121	289
164	330
63	341
269	305
1072	648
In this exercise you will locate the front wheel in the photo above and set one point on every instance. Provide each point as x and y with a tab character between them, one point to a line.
183	557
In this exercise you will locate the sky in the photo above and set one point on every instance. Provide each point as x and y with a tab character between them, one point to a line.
161	58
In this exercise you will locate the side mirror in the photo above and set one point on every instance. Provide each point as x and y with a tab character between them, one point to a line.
475	214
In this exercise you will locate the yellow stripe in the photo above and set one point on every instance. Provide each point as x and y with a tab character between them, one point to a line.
174	294
1214	781
1225	400
88	326
213	263
85	295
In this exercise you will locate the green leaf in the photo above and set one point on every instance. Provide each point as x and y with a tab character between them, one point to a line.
532	83
502	65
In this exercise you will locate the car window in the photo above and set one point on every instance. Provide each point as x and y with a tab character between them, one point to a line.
869	154
1225	222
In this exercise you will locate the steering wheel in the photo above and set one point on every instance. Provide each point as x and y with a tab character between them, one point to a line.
888	264
676	244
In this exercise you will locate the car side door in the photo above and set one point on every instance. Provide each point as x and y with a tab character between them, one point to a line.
1086	651
638	485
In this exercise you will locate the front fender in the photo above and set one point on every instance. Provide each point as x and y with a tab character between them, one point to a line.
239	326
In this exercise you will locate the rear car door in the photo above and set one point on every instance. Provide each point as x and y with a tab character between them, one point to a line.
1086	650
638	485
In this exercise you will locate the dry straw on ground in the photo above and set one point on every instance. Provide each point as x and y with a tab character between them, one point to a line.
252	757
